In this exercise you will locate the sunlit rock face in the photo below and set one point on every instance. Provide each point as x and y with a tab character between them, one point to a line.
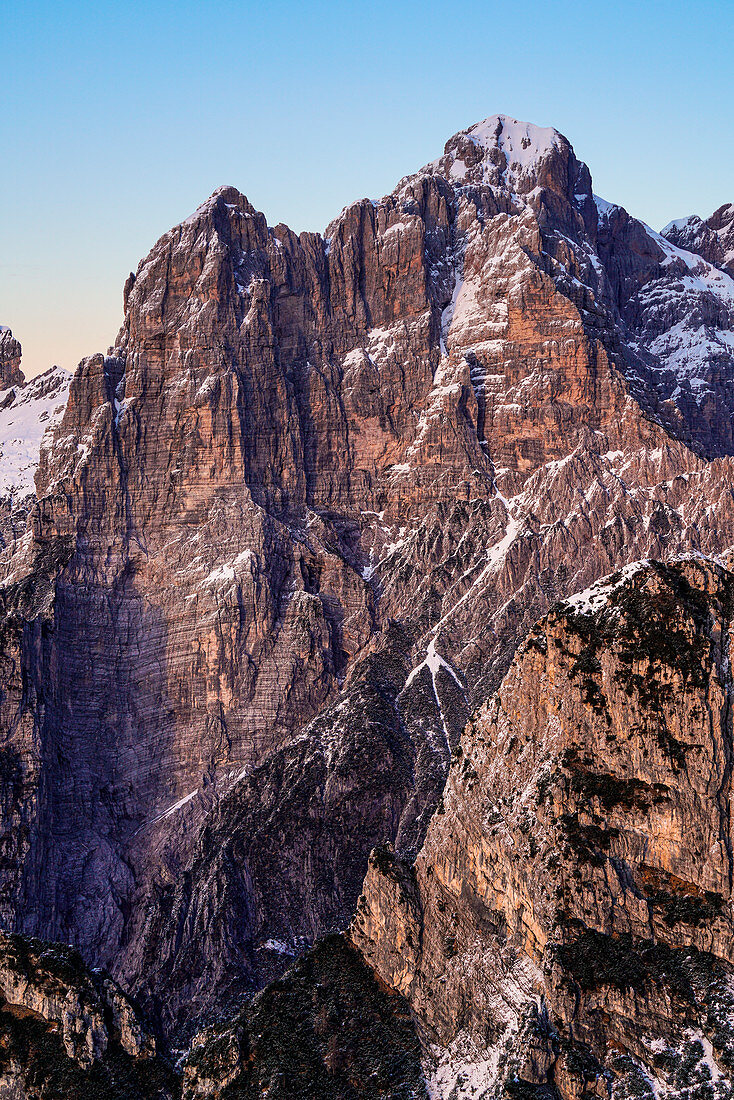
294	524
568	921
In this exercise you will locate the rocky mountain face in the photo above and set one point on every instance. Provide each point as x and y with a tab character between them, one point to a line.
713	239
288	536
66	1032
568	921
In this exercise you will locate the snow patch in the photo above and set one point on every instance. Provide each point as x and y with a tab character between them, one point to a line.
592	599
279	947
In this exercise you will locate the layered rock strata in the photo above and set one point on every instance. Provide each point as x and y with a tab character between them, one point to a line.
293	526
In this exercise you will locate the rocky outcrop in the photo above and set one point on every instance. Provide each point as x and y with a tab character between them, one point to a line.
10	353
66	1031
712	239
327	1029
293	526
568	922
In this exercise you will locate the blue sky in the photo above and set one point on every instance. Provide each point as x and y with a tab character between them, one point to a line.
118	119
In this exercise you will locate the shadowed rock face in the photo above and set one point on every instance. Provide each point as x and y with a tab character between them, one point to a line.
10	353
292	528
327	1029
568	921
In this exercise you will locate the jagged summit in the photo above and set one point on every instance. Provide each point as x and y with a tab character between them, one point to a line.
230	196
523	144
10	354
712	238
529	162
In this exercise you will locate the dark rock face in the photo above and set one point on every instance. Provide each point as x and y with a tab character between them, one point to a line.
327	1029
568	922
10	353
280	885
293	527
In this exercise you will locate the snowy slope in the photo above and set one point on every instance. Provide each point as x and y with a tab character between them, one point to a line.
499	152
689	313
25	414
523	144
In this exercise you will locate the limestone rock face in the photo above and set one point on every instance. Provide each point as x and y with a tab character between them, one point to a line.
294	524
66	1031
568	921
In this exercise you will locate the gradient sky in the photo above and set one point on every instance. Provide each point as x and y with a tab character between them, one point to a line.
118	119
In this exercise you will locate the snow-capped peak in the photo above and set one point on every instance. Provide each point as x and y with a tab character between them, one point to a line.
681	224
523	143
713	238
502	152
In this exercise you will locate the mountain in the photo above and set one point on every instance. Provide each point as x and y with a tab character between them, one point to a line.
27	410
287	539
713	239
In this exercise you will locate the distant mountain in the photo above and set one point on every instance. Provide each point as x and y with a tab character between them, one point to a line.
712	239
27	411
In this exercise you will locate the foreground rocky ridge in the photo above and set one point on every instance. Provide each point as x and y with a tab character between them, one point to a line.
568	921
305	510
68	1032
328	1029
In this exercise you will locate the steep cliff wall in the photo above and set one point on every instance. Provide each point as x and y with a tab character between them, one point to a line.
568	921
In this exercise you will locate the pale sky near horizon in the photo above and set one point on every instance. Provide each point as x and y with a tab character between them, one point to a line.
118	119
